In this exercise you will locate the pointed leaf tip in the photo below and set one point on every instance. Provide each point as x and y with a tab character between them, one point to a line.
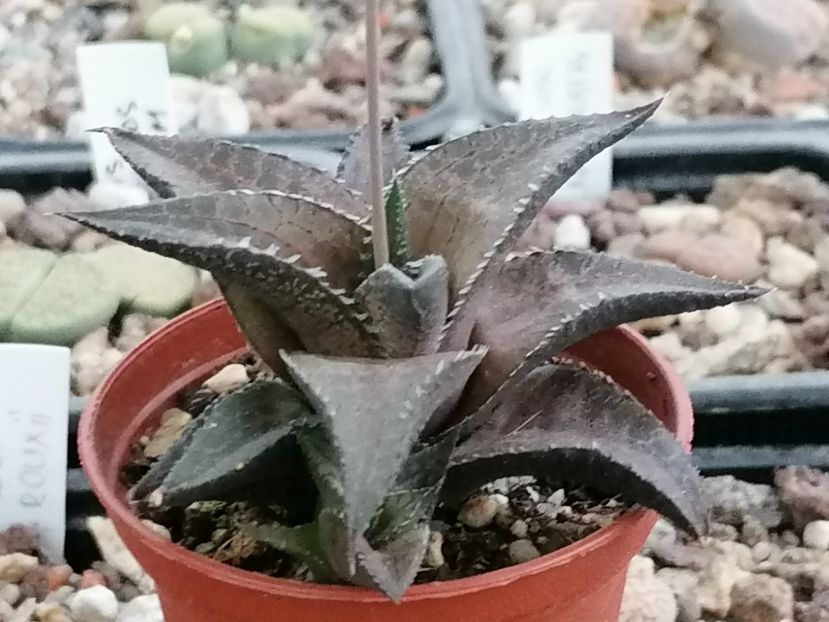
566	422
354	167
463	207
374	410
180	167
534	305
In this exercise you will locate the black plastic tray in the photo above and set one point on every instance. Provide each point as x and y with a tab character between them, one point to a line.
446	21
746	425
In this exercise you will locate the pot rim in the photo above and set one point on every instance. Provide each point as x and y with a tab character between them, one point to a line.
117	509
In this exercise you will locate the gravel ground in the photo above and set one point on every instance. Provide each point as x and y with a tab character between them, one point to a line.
715	57
766	558
769	229
39	94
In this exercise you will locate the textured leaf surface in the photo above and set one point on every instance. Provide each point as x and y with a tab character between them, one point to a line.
355	167
534	305
472	198
412	500
265	330
567	423
259	256
393	568
240	439
189	166
303	542
317	234
408	314
397	225
373	411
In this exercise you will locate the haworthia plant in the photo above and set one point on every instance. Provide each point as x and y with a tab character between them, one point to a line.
427	376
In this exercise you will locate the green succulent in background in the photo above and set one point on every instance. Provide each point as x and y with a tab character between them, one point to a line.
57	299
195	37
402	384
49	299
272	35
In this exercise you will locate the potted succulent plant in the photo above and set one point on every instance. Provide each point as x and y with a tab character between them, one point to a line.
407	355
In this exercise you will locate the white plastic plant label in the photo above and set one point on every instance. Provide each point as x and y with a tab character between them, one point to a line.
34	425
565	73
124	85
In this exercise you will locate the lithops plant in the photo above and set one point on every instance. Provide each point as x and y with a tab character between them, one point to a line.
666	47
272	35
196	39
770	33
147	283
22	270
52	300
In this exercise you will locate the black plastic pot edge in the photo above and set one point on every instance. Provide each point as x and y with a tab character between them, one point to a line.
761	393
444	18
720	395
758	464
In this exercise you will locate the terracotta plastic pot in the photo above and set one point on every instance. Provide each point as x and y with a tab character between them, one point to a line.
582	582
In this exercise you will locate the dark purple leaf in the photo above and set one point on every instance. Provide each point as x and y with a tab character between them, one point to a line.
254	241
408	314
373	409
241	439
471	199
568	423
534	305
355	166
185	167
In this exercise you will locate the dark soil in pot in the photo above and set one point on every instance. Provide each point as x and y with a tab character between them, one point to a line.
508	522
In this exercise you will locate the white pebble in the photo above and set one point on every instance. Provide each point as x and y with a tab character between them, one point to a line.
557	498
142	609
816	535
116	554
510	91
111	195
94	604
522	551
12	207
26	609
519	21
14	565
60	595
789	267
10	593
434	551
572	232
822	253
723	321
416	59
661	217
222	112
228	378
519	529
479	511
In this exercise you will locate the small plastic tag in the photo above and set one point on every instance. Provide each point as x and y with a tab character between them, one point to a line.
34	426
125	85
566	73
